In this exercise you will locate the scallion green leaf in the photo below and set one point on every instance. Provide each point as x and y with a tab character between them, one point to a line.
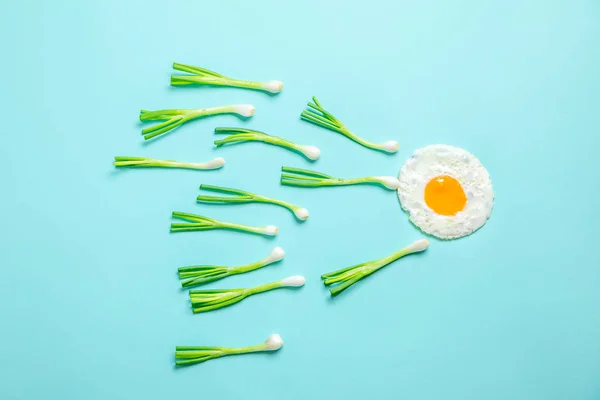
240	135
188	355
317	115
174	118
202	76
209	300
143	162
306	178
201	274
236	196
346	277
202	223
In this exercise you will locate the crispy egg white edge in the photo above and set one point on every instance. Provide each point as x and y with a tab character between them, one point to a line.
439	159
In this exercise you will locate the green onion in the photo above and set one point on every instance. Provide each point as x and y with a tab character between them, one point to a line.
175	118
202	76
201	274
240	135
349	276
188	355
208	300
143	162
321	117
305	178
241	197
202	223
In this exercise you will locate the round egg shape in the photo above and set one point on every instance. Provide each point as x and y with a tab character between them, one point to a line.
446	191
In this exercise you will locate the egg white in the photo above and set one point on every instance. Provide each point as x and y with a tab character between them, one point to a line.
439	159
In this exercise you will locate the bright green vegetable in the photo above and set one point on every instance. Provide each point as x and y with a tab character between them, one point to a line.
241	197
202	76
305	178
202	223
321	117
142	162
188	355
208	300
175	118
240	135
349	276
201	274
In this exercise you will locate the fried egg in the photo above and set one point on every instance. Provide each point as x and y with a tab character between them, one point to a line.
446	191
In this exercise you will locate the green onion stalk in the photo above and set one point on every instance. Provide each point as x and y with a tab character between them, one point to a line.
317	115
203	76
242	197
344	278
209	300
240	135
306	178
201	274
189	355
175	118
143	162
202	223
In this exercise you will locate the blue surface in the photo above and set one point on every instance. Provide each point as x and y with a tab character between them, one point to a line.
91	307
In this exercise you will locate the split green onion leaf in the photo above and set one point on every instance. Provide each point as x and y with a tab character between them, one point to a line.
242	197
317	115
201	274
202	76
240	135
188	355
349	276
143	162
305	178
208	300
202	223
174	118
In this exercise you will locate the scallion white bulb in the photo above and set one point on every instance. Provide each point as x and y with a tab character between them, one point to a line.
294	281
301	213
311	152
245	110
215	163
419	245
391	146
275	255
274	342
389	182
273	86
270	230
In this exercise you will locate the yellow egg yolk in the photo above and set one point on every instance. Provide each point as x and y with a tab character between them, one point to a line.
444	195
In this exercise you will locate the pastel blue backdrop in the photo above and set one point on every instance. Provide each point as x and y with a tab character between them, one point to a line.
91	307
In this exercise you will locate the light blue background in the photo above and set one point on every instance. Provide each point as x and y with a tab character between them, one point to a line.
91	307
